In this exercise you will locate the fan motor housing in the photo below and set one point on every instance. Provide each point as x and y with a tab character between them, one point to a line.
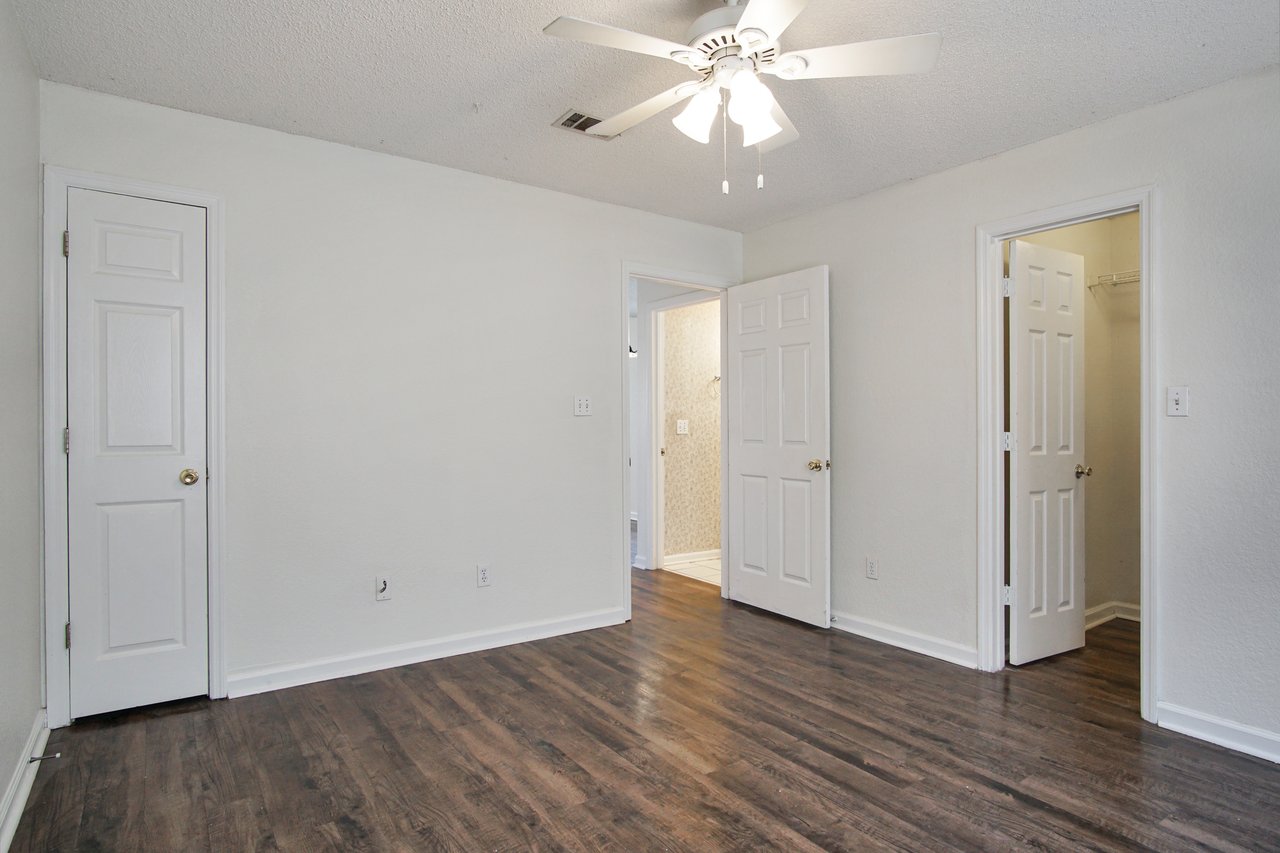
713	33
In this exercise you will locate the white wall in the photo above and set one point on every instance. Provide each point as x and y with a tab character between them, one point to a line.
904	379
404	343
20	694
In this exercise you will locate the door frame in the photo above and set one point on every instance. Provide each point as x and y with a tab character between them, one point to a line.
639	270
992	460
53	406
657	422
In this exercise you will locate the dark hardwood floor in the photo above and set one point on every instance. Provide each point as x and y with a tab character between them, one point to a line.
700	725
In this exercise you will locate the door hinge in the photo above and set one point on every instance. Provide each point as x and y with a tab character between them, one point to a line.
1006	441
1006	595
67	635
66	244
66	440
1006	287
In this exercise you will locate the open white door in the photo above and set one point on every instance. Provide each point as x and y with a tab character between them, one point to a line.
137	548
1046	398
777	398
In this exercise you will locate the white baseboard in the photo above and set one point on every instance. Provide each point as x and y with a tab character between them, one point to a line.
912	641
1102	613
262	679
692	556
1232	735
640	562
19	787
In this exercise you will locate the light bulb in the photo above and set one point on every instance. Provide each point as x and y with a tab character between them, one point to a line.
758	129
750	100
696	118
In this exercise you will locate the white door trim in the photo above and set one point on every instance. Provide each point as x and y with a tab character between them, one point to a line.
657	420
697	281
53	382
991	419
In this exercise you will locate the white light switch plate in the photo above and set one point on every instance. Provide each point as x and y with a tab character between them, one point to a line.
582	407
1178	403
682	427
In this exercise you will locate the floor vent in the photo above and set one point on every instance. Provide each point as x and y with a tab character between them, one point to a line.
579	122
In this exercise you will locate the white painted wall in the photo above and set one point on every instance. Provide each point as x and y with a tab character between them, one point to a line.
1113	394
20	693
404	343
904	377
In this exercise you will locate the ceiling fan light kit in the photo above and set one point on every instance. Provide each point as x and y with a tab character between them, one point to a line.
730	46
696	118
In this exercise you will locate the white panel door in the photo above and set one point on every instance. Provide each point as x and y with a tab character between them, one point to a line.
777	400
1046	397
137	545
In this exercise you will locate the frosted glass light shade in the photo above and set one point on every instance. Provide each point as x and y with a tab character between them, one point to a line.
759	129
751	106
696	118
750	100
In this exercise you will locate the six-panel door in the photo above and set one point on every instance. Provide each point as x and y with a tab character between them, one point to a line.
137	547
1046	498
777	402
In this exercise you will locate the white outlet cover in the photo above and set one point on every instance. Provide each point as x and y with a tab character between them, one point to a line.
484	575
582	407
682	427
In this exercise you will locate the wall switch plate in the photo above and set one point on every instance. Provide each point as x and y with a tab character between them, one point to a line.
682	427
381	588
484	574
582	407
873	568
1178	403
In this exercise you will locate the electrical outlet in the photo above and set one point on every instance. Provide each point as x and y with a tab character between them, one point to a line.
682	427
381	588
582	407
873	568
484	574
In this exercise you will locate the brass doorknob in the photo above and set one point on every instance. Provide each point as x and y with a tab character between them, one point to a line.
1082	471
189	476
815	464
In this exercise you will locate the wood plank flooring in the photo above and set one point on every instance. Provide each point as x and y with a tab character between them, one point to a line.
701	725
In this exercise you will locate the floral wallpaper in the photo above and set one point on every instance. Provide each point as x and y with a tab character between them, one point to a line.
691	363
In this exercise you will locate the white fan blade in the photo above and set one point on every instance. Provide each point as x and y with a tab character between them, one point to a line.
628	119
603	34
902	55
788	134
770	17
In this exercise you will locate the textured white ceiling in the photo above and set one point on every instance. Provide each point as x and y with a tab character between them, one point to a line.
475	85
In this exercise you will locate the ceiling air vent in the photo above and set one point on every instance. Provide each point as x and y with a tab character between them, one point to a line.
579	122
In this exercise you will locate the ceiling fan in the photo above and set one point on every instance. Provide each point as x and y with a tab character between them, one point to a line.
729	48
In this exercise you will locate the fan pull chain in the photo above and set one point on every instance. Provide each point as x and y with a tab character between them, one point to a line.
760	168
724	134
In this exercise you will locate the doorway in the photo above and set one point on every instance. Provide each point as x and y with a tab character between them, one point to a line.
686	416
676	428
132	459
1067	403
1073	408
